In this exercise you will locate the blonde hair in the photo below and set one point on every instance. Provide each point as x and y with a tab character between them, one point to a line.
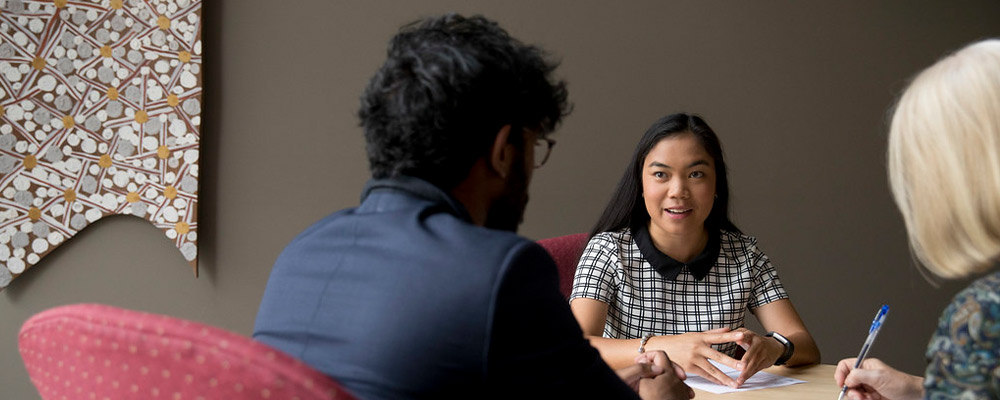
944	161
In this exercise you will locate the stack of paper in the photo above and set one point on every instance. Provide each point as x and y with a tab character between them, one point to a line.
760	380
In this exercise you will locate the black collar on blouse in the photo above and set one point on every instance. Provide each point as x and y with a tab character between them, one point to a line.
670	268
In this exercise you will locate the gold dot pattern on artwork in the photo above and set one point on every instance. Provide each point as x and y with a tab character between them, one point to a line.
30	162
56	156
163	22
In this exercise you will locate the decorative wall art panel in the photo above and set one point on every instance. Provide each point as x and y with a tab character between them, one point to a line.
101	111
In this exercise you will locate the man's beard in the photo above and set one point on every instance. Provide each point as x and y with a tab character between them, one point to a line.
507	211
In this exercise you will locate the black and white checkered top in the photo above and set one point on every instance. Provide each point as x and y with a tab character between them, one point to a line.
642	300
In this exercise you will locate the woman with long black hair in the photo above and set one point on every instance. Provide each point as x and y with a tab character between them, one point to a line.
666	268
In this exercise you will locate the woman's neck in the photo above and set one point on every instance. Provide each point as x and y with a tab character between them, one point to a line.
683	248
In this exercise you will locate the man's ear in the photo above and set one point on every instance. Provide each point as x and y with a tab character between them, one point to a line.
502	153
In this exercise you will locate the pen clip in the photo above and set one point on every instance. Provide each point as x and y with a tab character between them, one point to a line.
879	317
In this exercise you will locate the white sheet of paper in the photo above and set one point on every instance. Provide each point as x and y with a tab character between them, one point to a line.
760	380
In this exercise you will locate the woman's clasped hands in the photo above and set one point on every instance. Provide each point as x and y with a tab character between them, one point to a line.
693	350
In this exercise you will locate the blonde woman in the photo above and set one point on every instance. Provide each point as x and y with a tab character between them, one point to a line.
944	167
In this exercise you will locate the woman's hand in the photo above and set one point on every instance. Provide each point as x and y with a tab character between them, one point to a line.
877	381
761	352
693	350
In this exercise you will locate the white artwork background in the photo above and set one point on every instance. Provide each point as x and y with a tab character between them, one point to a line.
100	110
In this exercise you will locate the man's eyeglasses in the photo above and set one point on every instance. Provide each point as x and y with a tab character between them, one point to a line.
543	147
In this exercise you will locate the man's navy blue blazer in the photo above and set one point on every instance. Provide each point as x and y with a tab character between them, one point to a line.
403	297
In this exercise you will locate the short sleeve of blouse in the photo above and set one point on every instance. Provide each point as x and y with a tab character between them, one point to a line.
595	273
766	285
964	353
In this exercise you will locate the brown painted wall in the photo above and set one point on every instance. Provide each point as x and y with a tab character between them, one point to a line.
798	92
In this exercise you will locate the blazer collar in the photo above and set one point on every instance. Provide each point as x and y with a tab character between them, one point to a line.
670	268
419	188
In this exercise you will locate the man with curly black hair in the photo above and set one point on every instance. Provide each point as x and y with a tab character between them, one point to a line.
425	290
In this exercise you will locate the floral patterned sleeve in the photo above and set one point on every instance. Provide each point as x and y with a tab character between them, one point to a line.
964	353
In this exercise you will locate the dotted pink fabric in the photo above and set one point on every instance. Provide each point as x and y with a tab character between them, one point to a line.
566	251
98	352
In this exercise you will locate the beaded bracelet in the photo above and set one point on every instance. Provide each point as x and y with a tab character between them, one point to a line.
642	342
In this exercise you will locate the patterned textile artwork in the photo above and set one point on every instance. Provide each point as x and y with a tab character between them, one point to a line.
101	109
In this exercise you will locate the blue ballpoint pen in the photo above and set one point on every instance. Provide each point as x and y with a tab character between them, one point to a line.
872	333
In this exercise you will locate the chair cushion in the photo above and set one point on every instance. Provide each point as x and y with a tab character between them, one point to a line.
92	351
565	251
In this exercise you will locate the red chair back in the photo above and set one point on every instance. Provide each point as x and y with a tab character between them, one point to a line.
566	251
92	351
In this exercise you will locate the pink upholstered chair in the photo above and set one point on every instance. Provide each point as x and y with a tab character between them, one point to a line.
566	251
92	351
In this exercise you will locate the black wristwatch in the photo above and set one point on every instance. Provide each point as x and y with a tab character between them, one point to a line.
789	347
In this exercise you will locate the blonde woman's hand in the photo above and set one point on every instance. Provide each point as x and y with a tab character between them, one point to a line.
876	380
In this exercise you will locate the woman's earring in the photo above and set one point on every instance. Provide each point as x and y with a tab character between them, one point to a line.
716	195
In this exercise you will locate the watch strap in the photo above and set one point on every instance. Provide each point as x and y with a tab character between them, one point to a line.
789	347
